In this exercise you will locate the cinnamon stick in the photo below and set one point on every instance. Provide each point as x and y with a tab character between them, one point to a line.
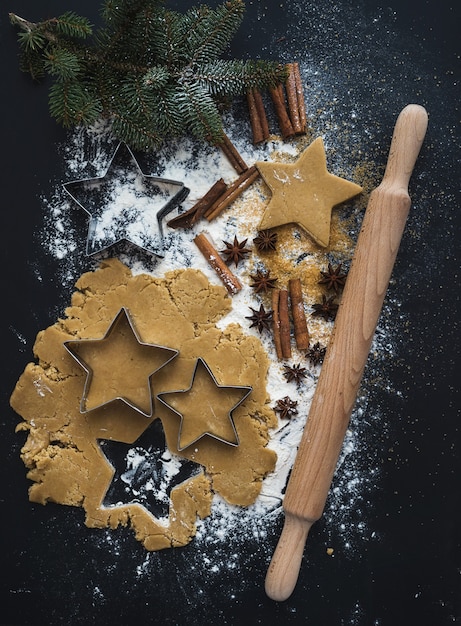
232	154
231	282
255	122
258	119
292	99
192	215
284	324
233	191
261	113
276	322
278	99
300	97
301	331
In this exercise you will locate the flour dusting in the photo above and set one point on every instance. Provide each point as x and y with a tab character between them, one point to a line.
344	129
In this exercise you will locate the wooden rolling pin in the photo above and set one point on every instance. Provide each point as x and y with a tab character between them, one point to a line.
347	353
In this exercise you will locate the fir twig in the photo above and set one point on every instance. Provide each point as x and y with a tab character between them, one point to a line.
152	72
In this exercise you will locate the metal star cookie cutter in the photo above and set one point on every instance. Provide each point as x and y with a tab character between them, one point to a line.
136	219
123	314
202	363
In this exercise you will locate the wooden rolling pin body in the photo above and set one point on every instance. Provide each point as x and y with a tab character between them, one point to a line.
347	353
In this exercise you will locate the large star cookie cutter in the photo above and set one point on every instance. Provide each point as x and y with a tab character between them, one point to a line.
131	370
194	407
126	205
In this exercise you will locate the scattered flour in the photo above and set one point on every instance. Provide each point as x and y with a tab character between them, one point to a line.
87	155
198	168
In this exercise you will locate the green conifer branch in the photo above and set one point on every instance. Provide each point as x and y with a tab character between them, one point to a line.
71	25
212	36
151	71
62	63
201	114
71	104
167	118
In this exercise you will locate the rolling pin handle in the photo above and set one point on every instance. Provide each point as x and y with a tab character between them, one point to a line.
283	571
409	132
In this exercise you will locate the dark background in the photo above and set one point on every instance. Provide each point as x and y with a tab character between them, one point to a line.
51	563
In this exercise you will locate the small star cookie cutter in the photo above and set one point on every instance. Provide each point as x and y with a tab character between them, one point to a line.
246	390
72	347
136	220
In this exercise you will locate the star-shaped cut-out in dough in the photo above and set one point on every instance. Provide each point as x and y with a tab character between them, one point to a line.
205	408
145	471
119	366
126	205
304	192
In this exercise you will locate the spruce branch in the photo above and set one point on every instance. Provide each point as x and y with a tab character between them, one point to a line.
213	34
71	25
62	63
200	112
152	72
230	78
71	104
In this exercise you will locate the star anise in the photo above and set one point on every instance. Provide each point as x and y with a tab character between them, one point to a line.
262	281
235	251
265	240
326	309
294	373
262	319
333	278
316	354
286	407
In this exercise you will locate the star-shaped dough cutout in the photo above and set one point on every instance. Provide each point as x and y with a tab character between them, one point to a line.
304	192
145	471
126	205
205	408
119	366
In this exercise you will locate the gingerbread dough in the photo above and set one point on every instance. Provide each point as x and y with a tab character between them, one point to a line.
304	192
62	454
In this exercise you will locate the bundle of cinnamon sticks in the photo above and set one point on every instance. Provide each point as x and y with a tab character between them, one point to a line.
219	196
281	319
289	105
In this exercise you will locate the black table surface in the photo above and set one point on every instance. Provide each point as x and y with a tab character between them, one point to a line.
401	52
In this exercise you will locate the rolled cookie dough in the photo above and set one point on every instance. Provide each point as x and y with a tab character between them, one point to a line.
62	454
